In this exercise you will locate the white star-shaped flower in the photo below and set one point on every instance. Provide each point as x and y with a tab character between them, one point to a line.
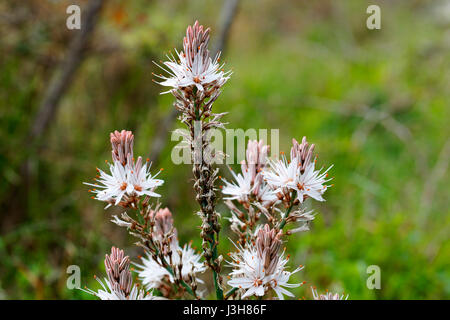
250	275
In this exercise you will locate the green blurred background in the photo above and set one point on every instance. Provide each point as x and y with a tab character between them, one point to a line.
374	102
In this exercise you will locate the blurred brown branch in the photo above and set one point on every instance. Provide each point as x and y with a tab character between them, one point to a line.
228	13
58	86
62	80
160	140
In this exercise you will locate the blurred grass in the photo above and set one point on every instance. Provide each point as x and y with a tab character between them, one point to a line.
305	68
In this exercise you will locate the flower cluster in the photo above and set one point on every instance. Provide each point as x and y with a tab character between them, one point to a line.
194	67
259	267
151	272
131	185
327	295
275	189
266	200
265	184
196	80
250	190
250	185
297	176
128	179
119	283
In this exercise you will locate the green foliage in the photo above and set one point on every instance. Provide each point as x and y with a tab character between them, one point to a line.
307	69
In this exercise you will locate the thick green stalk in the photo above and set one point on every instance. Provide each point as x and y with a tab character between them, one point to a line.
219	291
283	221
286	214
211	235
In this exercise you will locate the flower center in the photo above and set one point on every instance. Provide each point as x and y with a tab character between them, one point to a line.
257	282
300	186
138	188
196	79
123	186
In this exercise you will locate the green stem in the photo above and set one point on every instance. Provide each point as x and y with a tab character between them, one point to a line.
288	211
280	227
184	284
286	215
172	273
219	291
212	240
230	293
